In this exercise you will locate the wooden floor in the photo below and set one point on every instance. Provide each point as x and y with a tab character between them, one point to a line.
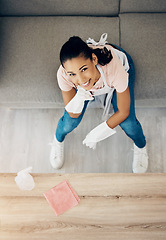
112	206
25	135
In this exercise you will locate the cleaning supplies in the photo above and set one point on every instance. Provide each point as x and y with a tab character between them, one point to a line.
24	180
62	197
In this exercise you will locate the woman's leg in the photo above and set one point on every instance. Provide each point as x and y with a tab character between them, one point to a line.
67	124
131	125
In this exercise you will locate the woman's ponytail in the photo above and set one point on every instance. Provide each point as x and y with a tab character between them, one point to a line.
104	55
75	47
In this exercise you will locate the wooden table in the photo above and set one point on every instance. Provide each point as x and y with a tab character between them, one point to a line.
112	206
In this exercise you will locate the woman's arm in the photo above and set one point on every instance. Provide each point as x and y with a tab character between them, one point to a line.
105	129
123	104
67	96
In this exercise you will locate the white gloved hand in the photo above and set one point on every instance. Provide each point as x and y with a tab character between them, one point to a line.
98	134
77	102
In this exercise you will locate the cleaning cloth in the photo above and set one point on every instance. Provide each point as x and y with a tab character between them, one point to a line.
62	197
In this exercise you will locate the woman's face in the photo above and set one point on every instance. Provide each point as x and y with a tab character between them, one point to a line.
83	72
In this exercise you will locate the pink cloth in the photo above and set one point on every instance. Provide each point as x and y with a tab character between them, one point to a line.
62	197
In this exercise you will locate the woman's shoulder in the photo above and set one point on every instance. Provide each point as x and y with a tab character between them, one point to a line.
60	69
63	79
62	72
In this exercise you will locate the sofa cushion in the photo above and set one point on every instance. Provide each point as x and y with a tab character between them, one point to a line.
59	7
129	6
143	36
29	55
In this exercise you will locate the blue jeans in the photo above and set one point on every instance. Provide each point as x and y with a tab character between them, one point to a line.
131	126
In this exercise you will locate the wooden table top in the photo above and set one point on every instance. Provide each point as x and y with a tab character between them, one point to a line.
112	206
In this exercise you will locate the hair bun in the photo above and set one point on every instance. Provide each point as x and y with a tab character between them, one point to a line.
74	38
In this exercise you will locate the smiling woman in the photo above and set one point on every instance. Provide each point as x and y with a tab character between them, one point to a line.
87	72
83	72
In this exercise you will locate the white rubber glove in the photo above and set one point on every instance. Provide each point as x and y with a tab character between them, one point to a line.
98	134
77	103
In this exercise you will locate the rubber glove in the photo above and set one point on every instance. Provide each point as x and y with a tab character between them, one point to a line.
77	102
98	134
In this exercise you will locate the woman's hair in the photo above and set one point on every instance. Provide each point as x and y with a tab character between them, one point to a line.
75	47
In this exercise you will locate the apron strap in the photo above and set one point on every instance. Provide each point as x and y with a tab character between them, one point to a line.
102	75
101	42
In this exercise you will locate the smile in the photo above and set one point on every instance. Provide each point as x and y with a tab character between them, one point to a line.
86	84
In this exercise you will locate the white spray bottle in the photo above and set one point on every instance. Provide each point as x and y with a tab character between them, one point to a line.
24	180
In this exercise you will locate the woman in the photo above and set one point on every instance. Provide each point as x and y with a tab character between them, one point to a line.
96	72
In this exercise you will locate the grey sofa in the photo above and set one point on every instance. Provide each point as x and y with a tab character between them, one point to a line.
32	32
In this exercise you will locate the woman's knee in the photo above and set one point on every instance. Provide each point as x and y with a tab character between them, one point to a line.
68	123
131	126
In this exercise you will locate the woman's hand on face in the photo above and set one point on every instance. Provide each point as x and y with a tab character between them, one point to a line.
77	102
67	97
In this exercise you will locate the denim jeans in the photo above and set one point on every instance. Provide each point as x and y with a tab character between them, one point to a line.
131	126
